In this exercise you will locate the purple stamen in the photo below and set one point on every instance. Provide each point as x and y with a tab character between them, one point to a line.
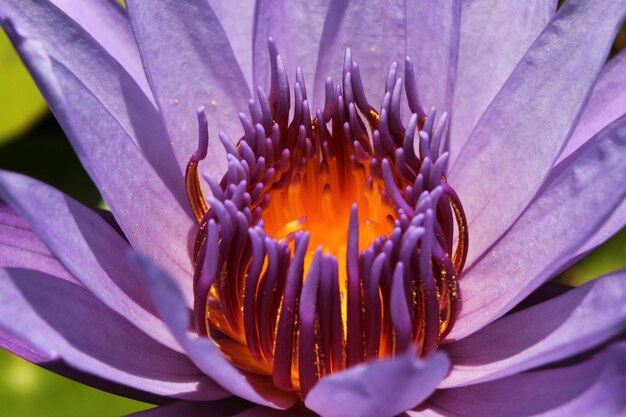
355	319
411	92
286	324
399	310
296	315
308	361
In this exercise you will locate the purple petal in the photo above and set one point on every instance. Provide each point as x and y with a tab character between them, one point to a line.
20	247
606	103
615	223
88	247
545	333
433	29
594	387
237	18
376	33
202	351
494	37
149	214
190	63
63	320
107	23
378	389
297	29
545	292
552	229
521	133
97	50
22	349
612	225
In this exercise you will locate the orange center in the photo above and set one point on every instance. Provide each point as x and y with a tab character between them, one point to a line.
319	201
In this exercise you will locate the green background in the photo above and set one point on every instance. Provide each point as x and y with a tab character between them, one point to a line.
31	142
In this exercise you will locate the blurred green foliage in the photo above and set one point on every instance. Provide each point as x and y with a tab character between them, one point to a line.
29	391
609	257
20	102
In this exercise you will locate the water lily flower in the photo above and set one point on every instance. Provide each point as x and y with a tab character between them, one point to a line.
333	249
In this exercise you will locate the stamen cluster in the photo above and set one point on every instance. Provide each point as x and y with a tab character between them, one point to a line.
330	239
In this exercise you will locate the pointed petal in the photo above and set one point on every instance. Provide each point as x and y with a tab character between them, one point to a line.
521	133
606	103
190	63
433	31
562	327
297	29
378	389
55	37
202	351
87	104
553	228
20	247
107	23
375	31
64	320
237	18
87	247
494	37
593	387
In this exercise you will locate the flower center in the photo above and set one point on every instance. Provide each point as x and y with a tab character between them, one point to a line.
319	197
330	239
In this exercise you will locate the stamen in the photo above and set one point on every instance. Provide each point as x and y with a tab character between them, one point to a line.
309	341
287	323
411	93
399	311
192	179
329	239
355	319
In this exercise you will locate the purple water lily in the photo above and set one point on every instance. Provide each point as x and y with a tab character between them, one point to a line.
339	256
